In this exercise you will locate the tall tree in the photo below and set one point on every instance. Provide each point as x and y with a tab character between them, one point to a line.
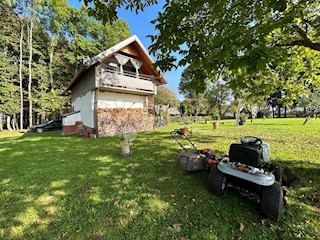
9	31
192	86
88	37
9	90
47	40
219	95
54	16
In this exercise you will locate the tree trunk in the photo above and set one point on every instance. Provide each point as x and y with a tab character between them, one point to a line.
272	112
30	72
13	122
20	77
251	115
285	111
51	49
305	111
9	123
238	114
279	111
1	122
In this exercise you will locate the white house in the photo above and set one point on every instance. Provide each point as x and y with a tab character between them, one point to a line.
114	90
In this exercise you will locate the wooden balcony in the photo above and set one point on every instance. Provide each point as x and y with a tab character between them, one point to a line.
112	80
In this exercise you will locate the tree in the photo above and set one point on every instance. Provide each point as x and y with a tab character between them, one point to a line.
235	34
9	90
165	96
196	100
88	37
219	95
195	105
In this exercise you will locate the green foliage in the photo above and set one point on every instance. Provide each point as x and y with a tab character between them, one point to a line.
196	104
61	36
166	96
192	81
88	37
9	91
106	10
69	187
220	96
234	34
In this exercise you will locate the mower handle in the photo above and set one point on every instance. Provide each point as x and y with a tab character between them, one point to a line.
182	134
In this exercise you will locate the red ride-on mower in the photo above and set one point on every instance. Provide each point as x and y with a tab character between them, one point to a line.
194	160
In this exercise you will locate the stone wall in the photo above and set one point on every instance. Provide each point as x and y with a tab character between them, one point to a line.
116	121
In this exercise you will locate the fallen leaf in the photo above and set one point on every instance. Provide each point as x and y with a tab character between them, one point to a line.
184	238
9	204
111	221
265	222
238	238
176	225
171	195
63	236
241	228
285	200
131	213
116	202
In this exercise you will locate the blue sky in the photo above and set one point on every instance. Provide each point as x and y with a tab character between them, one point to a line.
140	25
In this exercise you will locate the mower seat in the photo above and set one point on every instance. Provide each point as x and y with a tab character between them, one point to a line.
245	154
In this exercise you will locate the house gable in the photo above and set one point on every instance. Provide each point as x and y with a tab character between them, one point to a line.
131	47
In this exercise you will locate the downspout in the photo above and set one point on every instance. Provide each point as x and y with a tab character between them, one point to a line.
96	94
95	106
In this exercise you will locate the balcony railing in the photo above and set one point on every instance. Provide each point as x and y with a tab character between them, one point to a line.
128	81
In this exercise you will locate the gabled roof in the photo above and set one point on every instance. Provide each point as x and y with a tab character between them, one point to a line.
96	60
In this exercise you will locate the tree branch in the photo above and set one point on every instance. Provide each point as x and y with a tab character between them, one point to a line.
304	42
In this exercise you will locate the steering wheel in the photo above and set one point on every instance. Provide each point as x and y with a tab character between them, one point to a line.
251	140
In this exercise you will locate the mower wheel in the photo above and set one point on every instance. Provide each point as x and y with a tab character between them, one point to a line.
276	171
271	202
217	182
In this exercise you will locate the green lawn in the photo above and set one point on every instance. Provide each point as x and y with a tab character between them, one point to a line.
66	187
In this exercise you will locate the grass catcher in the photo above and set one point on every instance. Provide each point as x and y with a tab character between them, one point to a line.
196	159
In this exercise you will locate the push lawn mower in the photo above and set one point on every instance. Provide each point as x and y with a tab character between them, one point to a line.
249	167
194	160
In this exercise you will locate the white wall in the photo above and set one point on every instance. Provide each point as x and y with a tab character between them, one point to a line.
71	119
85	104
121	100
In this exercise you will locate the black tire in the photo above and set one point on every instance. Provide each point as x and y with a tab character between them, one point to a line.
39	130
217	182
271	202
276	169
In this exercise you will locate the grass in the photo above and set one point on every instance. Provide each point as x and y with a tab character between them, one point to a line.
66	187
